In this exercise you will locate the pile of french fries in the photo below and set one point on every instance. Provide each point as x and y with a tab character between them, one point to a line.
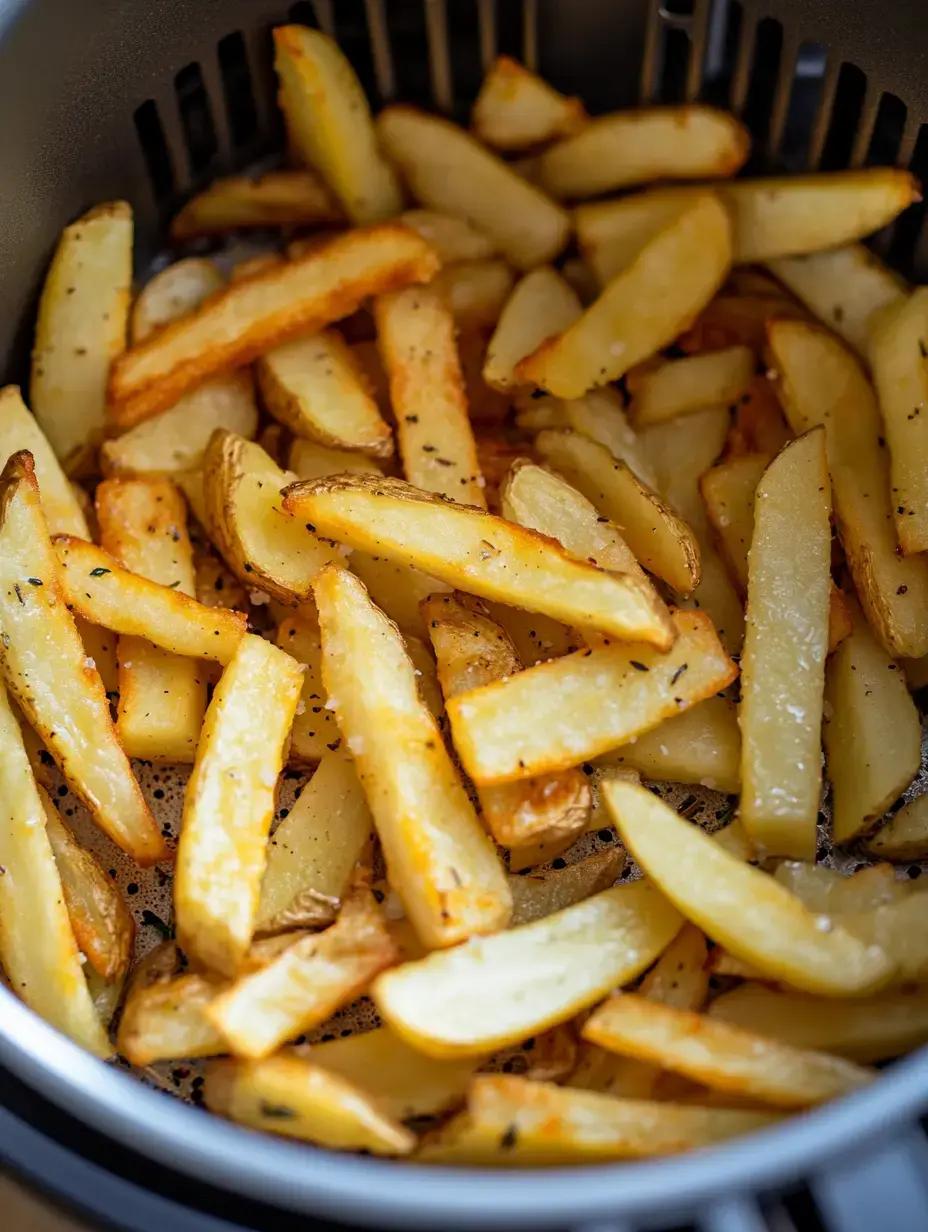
477	502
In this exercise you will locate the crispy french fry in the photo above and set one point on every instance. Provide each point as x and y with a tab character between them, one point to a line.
679	386
453	238
315	730
488	989
905	836
416	336
771	929
822	889
446	169
163	1018
229	804
248	318
536	895
476	292
515	109
81	331
46	670
310	460
480	553
277	199
541	306
872	732
728	491
20	430
177	290
611	233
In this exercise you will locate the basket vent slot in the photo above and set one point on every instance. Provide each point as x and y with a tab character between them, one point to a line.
762	83
196	120
238	90
908	249
155	151
845	118
888	130
355	41
303	14
806	92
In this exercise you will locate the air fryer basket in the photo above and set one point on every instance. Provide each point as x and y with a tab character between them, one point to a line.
107	98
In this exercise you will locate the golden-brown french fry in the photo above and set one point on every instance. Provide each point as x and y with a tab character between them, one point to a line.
177	290
679	386
47	671
315	730
905	836
480	553
229	804
476	292
728	491
446	169
488	989
248	318
541	306
516	109
824	890
163	1018
416	336
277	199
20	430
453	238
536	895
771	929
397	589
438	857
310	460
611	233
536	638
81	330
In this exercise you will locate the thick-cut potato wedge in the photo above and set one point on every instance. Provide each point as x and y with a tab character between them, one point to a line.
416	336
472	650
487	992
177	290
536	895
81	331
307	982
563	712
292	1096
905	836
398	590
721	1056
476	292
739	906
728	491
897	353
625	148
598	415
314	386
20	430
438	858
873	732
823	889
482	554
643	308
844	287
310	460
99	590
329	123
659	538
678	386
453	238
865	1029
162	1018
313	852
229	804
248	318
822	383
37	943
512	1122
898	928
516	110
447	169
611	233
47	671
783	665
541	306
314	731
264	547
277	199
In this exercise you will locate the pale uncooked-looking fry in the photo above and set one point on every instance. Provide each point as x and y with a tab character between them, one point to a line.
611	233
721	1056
905	836
20	430
541	306
416	337
872	732
178	289
488	989
679	386
900	929
783	665
315	730
769	928
292	1096
480	553
98	589
728	491
310	460
448	170
476	292
105	994
823	889
642	309
47	671
536	895
822	383
438	857
516	109
248	318
81	330
37	944
315	387
277	199
453	238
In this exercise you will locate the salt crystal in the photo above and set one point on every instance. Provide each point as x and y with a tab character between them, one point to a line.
89	663
258	597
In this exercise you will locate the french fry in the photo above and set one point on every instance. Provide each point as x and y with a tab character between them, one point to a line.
733	838
37	945
446	169
453	238
739	320
81	331
291	1096
416	336
46	670
721	1056
100	645
536	638
536	895
314	729
310	460
516	110
163	1018
106	996
651	143
172	293
277	199
872	732
314	386
580	276
898	928
248	318
643	308
824	890
784	651
822	383
438	858
482	554
541	306
229	804
771	929
329	122
397	589
258	264
489	991
680	386
20	430
476	292
314	850
611	233
905	836
728	491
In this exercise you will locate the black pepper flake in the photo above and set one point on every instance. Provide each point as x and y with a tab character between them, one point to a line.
902	590
99	571
922	350
19	593
678	673
412	418
639	667
509	1138
334	745
34	581
276	1112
